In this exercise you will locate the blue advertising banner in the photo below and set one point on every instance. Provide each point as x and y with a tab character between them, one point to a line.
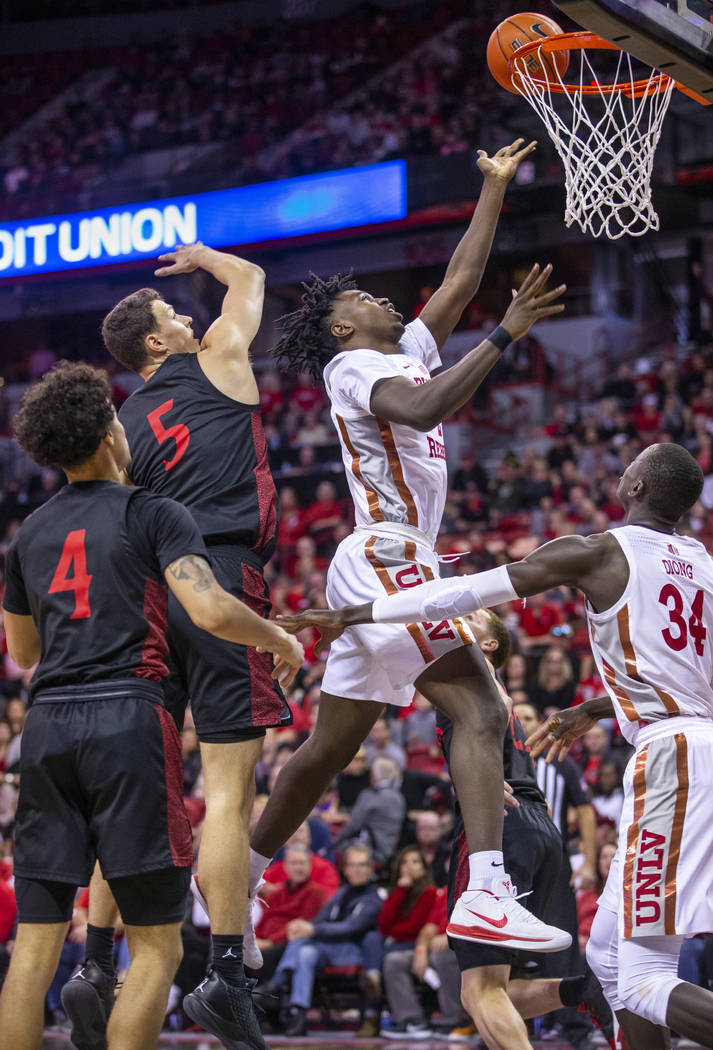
268	211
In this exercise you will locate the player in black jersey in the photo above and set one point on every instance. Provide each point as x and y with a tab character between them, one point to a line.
87	581
195	434
532	847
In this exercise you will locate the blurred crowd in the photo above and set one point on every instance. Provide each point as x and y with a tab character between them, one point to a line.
297	101
380	834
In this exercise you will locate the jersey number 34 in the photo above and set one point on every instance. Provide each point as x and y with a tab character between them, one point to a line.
672	598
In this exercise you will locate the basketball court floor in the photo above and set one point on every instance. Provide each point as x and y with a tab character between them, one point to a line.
321	1041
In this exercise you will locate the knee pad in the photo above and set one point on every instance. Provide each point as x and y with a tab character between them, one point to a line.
602	955
648	973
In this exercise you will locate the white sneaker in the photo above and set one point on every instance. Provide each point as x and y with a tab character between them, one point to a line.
494	916
198	895
252	956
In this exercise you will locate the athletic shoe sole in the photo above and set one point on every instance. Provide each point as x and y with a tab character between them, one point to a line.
201	1013
84	1008
480	935
422	1033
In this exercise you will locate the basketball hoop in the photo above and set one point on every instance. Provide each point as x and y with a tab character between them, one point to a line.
607	137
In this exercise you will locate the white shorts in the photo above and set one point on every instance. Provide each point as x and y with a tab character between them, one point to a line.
382	661
661	879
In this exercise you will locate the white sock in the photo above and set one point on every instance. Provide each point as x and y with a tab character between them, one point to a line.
484	866
258	863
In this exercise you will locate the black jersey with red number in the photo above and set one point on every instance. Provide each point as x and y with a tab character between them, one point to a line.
88	567
195	444
518	767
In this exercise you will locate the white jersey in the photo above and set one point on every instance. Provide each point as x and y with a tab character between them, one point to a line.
653	648
395	473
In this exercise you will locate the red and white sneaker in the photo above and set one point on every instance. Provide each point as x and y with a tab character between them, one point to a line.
494	916
252	956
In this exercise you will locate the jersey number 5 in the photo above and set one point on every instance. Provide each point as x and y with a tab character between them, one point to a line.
695	626
179	432
74	554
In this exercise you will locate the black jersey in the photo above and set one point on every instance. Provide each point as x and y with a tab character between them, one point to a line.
88	567
195	444
518	767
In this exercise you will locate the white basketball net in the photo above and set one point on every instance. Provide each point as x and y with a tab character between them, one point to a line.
606	141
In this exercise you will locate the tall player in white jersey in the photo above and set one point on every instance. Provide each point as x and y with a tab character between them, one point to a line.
649	605
388	413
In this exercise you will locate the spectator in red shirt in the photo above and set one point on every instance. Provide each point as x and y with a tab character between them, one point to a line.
322	872
321	519
271	398
306	396
595	746
537	618
292	525
298	897
410	901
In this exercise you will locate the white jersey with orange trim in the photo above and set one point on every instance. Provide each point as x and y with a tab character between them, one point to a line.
653	647
396	473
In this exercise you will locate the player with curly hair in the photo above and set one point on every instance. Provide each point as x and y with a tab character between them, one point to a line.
87	582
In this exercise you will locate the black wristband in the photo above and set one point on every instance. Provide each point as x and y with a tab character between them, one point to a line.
500	338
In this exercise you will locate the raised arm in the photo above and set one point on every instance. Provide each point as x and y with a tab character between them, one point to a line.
425	406
227	341
465	270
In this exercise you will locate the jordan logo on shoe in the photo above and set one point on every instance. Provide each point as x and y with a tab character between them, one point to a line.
493	922
229	954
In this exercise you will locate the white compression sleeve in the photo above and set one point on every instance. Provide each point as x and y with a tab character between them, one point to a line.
445	599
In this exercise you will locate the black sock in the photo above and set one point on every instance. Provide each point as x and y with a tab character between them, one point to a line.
228	957
100	947
571	990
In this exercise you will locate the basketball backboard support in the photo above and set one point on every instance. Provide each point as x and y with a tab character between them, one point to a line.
673	36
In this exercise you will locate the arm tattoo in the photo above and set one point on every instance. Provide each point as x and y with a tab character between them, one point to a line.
193	568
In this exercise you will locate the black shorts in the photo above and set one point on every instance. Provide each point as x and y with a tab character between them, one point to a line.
101	778
532	851
232	693
155	898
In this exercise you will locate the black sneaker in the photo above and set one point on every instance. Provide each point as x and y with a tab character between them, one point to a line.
593	1002
226	1011
87	999
296	1022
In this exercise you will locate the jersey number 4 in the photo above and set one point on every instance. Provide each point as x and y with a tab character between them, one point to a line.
179	432
74	556
672	598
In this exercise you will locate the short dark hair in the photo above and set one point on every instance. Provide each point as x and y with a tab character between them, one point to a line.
126	326
673	479
502	636
64	416
306	344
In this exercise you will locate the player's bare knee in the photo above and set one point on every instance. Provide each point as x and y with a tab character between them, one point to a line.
480	716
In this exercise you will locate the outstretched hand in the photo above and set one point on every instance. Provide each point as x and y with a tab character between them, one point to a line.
559	732
185	258
329	623
531	302
503	164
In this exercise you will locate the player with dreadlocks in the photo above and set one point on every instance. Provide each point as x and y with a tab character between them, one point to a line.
388	413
